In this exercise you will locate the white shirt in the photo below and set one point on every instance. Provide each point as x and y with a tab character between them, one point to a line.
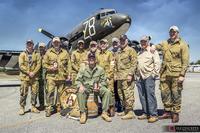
148	63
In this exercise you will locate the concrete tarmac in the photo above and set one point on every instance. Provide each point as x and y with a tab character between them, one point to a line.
11	122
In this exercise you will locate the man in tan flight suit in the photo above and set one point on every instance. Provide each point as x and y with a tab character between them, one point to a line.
29	65
58	65
172	74
106	61
126	62
78	59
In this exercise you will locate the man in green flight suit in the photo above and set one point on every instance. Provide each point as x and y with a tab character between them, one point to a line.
92	79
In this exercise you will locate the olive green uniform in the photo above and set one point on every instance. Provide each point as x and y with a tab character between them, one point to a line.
29	63
174	65
88	78
56	79
126	61
106	61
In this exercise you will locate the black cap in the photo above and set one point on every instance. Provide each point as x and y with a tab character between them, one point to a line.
91	56
123	37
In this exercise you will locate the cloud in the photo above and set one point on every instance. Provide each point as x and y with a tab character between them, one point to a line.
158	16
20	19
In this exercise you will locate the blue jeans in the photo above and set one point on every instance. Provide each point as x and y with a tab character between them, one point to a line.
146	90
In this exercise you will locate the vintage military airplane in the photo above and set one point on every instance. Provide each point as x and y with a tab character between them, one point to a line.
105	23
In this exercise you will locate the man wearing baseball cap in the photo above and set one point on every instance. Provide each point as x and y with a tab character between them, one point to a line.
42	81
114	50
106	61
147	70
78	59
172	74
92	79
58	66
115	44
29	65
93	47
126	65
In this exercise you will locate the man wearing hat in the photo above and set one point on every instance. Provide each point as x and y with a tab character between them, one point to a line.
93	48
125	69
78	59
106	61
147	70
115	45
29	65
92	79
115	49
58	66
42	72
172	74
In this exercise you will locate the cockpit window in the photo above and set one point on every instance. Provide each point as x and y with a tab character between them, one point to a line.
103	14
111	12
98	16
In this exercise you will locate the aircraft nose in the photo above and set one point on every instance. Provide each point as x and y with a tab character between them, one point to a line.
120	19
125	18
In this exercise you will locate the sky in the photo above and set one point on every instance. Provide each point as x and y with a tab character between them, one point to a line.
20	19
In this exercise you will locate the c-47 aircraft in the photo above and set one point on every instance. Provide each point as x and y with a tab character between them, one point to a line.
105	23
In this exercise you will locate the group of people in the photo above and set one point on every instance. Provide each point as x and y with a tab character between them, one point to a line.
97	69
